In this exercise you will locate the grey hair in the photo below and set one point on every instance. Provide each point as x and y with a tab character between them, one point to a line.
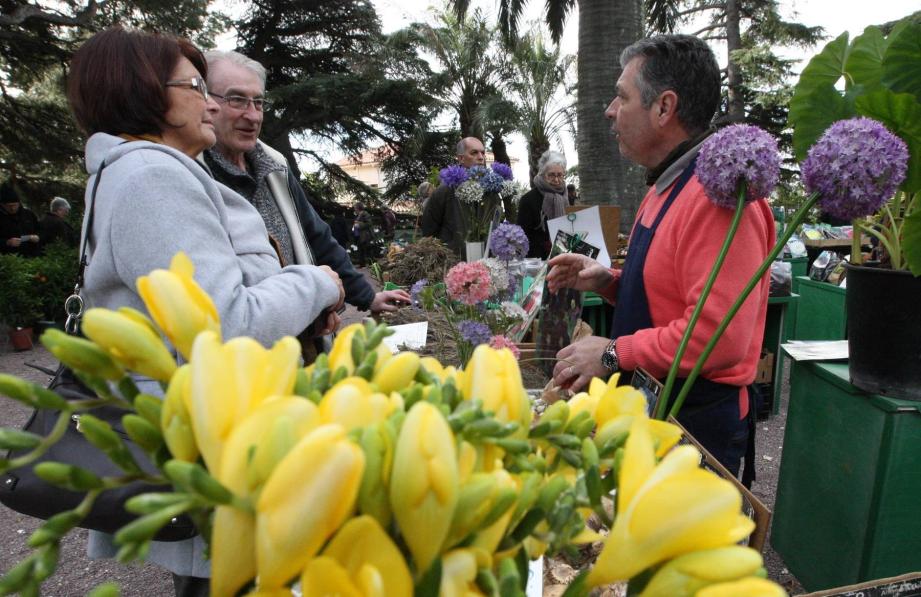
423	190
681	63
59	202
461	147
550	158
215	56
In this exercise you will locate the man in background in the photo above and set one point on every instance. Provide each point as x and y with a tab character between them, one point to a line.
19	232
442	216
262	175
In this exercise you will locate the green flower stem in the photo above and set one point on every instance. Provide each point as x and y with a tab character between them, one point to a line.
699	307
60	426
778	247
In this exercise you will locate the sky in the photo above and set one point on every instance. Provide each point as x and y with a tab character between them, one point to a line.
836	16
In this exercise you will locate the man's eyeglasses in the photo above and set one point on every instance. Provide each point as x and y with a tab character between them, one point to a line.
239	102
196	83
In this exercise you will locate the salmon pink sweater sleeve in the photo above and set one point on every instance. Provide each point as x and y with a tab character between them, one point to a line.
680	257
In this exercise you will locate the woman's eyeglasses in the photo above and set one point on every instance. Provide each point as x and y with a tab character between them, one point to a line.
196	83
558	176
239	102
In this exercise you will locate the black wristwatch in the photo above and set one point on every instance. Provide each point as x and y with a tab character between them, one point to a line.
609	357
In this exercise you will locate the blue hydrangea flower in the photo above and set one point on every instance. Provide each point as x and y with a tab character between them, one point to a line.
416	289
855	167
738	153
503	170
491	182
508	241
474	332
453	175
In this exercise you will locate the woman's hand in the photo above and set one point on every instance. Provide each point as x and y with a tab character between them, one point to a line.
331	324
389	300
338	281
579	362
572	270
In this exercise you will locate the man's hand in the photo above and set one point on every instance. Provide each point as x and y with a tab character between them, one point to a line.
13	242
335	278
389	301
579	362
571	270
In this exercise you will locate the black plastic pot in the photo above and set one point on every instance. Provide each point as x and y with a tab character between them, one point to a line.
884	331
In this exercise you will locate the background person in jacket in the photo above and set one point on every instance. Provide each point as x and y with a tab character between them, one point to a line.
442	216
261	174
142	100
54	227
545	201
19	232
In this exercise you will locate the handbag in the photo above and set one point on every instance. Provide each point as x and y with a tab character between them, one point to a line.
21	490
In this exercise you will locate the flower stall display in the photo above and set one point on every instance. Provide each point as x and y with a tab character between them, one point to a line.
371	473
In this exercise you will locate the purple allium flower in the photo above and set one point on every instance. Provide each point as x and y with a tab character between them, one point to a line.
453	175
503	170
491	182
740	152
474	332
508	241
855	167
416	289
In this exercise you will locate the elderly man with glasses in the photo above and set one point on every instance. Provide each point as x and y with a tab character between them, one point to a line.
262	175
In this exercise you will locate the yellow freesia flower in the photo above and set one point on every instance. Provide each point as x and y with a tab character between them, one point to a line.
324	577
233	551
493	376
583	401
458	572
397	372
310	493
687	574
130	343
81	355
229	380
377	443
340	355
178	304
424	482
175	419
371	561
666	510
664	434
750	587
353	403
617	401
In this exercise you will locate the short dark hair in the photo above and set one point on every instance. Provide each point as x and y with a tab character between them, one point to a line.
7	193
117	80
681	63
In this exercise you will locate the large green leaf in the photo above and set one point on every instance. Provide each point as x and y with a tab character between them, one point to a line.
902	115
815	112
911	242
865	60
902	62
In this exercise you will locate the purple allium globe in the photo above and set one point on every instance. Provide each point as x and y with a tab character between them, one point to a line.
508	241
855	167
503	170
474	332
740	152
453	175
491	182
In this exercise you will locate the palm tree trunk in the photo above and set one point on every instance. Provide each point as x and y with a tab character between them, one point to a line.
734	77
606	27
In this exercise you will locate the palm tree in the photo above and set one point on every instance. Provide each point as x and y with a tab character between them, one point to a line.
537	89
606	27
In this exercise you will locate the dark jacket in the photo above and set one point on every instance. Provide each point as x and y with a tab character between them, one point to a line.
55	229
325	249
530	219
15	225
443	219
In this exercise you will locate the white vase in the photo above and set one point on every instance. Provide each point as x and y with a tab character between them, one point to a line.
473	251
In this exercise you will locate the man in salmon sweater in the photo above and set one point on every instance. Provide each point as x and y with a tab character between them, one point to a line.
665	100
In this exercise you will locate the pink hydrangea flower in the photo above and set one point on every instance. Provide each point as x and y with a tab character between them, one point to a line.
500	342
468	282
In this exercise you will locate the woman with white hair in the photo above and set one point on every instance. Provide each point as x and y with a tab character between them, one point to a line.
545	201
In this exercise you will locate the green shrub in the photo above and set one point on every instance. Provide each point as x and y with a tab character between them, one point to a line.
35	288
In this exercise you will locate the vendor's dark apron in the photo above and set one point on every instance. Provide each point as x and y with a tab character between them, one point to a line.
711	410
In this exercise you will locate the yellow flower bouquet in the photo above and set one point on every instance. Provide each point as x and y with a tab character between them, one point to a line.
370	473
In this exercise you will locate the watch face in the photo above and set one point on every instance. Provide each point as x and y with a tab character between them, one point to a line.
609	360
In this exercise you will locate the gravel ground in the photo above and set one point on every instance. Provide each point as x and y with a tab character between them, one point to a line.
77	575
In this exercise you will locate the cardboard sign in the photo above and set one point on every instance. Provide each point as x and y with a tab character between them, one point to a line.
907	585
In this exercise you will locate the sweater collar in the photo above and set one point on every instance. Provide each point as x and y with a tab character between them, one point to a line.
675	162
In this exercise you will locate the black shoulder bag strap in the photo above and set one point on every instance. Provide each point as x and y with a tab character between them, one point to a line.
73	306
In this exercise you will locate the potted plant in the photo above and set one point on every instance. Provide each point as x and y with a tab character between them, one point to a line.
882	81
20	304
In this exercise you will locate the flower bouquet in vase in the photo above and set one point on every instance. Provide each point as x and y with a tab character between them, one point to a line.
480	191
